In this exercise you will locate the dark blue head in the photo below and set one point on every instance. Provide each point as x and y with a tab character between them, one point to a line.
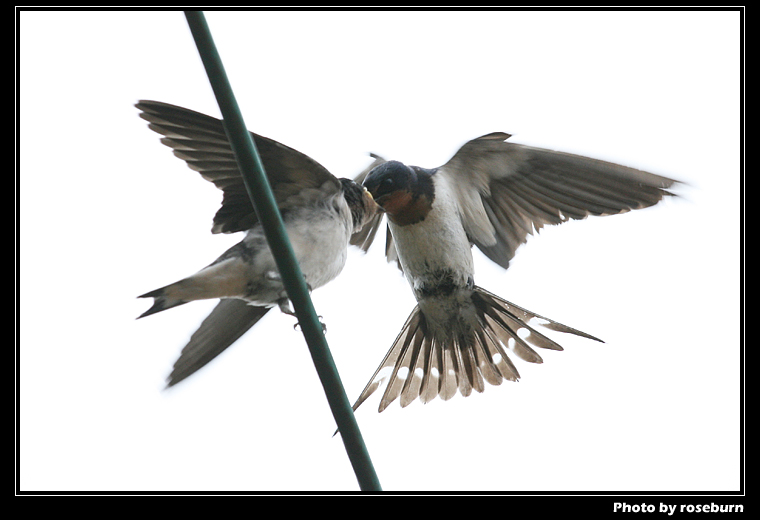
406	193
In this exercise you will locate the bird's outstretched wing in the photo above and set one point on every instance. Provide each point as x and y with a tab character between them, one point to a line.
229	320
506	191
201	141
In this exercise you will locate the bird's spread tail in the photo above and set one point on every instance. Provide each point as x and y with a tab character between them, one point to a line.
424	363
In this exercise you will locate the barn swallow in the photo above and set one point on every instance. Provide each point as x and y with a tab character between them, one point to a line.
321	213
491	194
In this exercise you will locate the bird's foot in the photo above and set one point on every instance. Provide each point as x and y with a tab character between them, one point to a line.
297	326
286	308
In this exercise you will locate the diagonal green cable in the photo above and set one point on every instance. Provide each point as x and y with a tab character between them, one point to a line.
266	210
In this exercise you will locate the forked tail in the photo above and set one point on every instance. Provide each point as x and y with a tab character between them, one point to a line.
425	363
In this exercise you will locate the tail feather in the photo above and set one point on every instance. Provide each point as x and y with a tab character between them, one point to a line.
492	372
524	315
413	382
428	364
495	358
430	378
161	302
406	360
226	277
412	324
448	383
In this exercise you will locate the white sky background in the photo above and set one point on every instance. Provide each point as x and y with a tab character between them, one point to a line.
108	213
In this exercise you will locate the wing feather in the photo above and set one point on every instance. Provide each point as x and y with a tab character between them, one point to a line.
522	188
201	142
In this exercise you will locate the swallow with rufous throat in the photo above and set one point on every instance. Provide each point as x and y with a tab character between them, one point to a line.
491	194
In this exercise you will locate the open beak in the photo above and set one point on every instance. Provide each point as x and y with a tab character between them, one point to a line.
374	204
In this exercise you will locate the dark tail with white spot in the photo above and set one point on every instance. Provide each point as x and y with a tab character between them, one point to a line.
425	364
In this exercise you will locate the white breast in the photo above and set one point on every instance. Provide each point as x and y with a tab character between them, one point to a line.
319	236
320	242
436	245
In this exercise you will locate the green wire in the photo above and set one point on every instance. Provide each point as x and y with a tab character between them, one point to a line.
266	210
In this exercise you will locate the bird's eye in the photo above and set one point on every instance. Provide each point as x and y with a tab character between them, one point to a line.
387	183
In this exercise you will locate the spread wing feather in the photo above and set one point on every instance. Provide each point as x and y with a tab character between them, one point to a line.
201	142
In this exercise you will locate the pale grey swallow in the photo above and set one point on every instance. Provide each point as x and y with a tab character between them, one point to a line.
321	213
491	194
